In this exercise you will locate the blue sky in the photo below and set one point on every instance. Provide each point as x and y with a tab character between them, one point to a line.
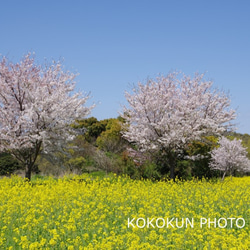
113	44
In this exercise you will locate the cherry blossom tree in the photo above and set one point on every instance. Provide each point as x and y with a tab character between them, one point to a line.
166	114
231	155
38	105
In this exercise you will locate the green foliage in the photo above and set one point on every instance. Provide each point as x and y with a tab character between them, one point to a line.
110	140
93	128
131	169
199	167
150	171
77	163
102	148
99	174
8	164
184	169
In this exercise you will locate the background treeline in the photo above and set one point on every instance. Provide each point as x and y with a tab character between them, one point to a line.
99	146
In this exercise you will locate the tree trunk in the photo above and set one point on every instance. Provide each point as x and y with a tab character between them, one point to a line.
31	157
172	162
28	168
223	177
172	173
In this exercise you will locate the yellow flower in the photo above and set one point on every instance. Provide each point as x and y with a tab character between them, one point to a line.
93	213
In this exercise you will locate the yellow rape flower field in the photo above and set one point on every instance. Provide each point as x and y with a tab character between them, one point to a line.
86	212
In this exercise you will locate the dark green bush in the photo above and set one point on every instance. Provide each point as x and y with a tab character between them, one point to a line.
8	164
